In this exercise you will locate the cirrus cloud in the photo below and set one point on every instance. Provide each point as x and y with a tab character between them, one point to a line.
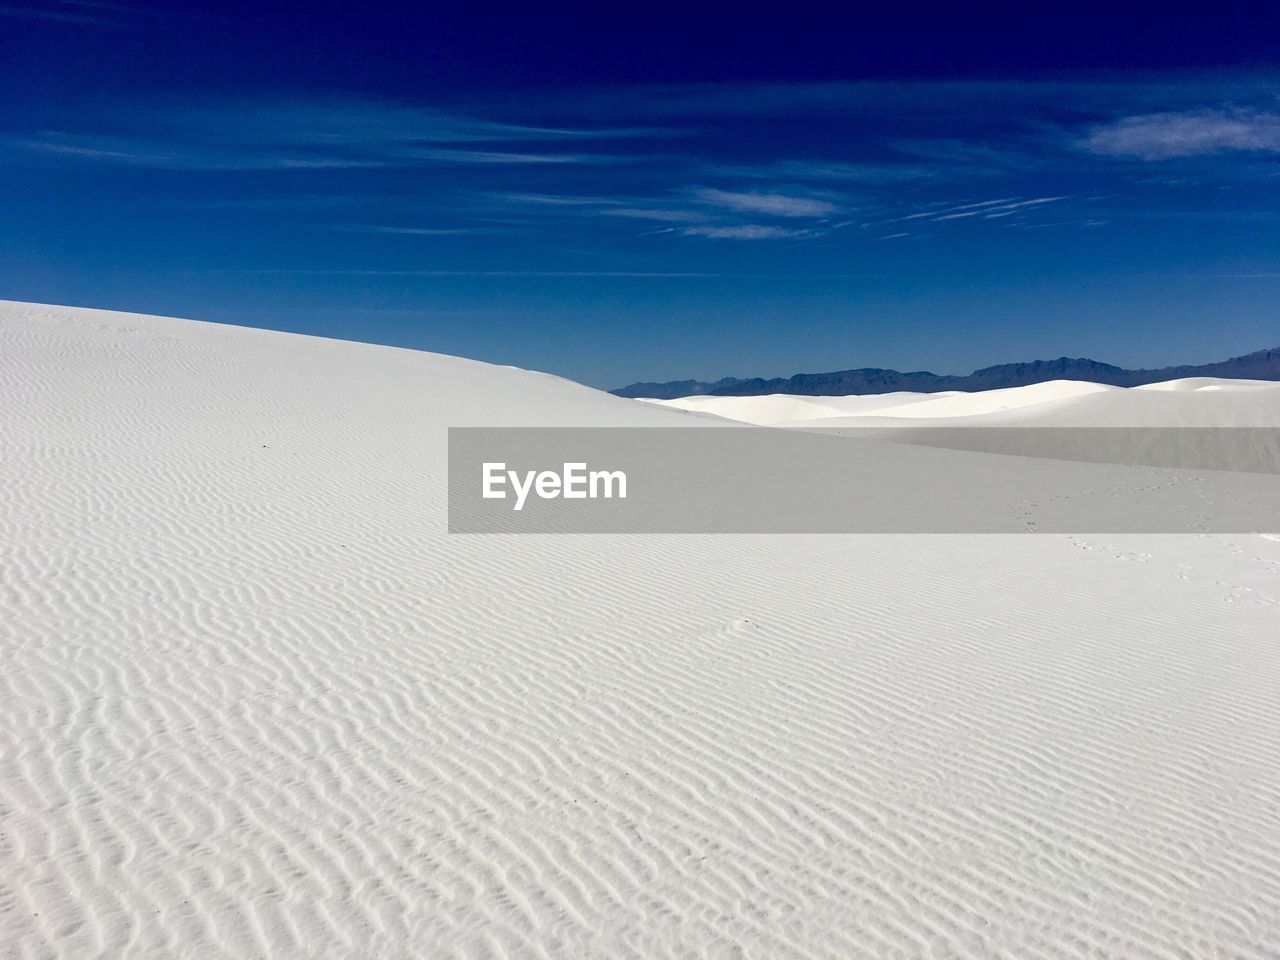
746	231
772	204
1164	136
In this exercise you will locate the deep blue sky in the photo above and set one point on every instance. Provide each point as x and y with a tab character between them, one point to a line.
656	192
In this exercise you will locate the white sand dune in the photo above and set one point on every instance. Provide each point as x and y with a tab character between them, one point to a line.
1207	383
1084	414
782	409
779	409
1200	401
255	702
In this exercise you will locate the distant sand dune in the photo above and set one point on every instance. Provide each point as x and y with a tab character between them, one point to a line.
1059	403
1092	422
254	702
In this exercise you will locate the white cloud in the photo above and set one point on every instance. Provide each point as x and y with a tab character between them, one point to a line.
1161	136
827	170
661	214
414	231
772	204
994	209
319	133
555	200
747	231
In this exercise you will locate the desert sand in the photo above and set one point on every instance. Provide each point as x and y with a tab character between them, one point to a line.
1198	402
255	702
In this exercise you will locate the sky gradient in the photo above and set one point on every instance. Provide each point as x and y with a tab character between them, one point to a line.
617	197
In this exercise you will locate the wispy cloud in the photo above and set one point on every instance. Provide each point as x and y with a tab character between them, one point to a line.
747	231
351	121
94	13
1163	136
986	209
173	155
708	212
973	157
418	231
715	213
925	101
773	204
554	200
657	214
960	158
990	212
334	133
56	12
553	274
445	155
827	170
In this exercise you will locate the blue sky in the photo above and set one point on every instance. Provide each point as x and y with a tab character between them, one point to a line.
657	194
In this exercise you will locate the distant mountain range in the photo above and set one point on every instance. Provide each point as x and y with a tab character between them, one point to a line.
1261	365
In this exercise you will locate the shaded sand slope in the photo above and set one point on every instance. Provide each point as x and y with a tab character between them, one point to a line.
253	701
